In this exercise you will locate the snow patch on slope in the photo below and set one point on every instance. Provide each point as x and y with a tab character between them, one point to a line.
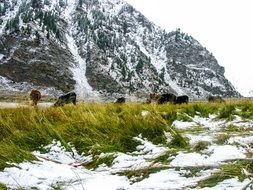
113	6
1	56
82	88
10	86
10	14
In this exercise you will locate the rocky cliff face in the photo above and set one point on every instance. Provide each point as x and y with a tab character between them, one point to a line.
100	46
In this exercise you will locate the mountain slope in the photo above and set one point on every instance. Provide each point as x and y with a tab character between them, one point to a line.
101	46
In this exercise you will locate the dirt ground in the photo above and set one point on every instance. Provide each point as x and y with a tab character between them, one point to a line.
19	99
24	104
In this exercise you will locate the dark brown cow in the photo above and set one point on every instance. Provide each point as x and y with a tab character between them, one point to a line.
165	98
215	99
182	99
66	99
35	96
120	100
153	97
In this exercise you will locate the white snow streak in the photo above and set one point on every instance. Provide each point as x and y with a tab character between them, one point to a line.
82	88
1	56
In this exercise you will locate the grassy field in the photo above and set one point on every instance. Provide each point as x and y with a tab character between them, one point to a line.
96	128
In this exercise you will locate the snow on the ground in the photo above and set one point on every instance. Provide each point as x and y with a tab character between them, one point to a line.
183	125
60	168
170	179
58	153
66	169
208	122
195	138
229	184
144	113
244	141
213	156
211	123
46	174
141	158
146	151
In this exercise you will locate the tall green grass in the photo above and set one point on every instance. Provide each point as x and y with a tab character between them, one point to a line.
89	127
96	128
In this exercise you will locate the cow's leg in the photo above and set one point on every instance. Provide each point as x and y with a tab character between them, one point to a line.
74	101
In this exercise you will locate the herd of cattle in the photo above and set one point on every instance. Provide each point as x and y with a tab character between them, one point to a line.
70	97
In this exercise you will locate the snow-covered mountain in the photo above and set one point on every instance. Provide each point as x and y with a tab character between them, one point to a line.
103	46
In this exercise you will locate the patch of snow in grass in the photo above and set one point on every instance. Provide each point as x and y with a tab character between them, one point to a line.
142	158
58	168
208	122
149	149
239	122
213	156
101	181
193	139
144	113
229	184
183	124
63	168
244	141
129	162
46	174
199	121
170	179
211	123
58	153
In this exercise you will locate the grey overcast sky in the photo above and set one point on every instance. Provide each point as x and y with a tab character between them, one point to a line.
224	27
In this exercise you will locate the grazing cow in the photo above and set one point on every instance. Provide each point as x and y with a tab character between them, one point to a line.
66	99
165	98
215	99
182	99
153	97
35	96
120	100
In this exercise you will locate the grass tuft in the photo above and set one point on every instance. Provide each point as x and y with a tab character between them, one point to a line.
201	145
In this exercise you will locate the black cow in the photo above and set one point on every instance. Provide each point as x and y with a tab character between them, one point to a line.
66	99
120	100
165	98
182	99
216	99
